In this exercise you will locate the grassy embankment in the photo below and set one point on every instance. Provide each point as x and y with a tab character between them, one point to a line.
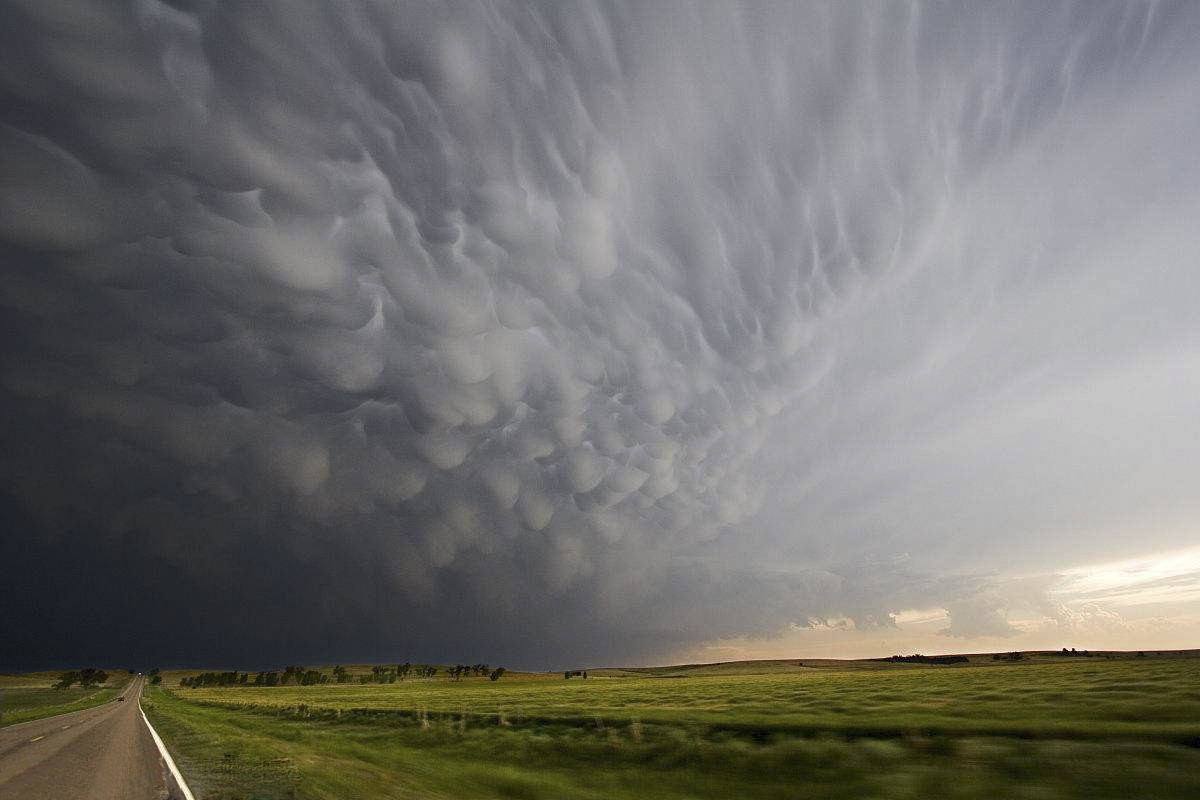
30	696
1065	728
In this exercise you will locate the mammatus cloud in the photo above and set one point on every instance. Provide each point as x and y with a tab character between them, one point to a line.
579	331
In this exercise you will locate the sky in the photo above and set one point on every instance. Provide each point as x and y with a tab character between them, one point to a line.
571	334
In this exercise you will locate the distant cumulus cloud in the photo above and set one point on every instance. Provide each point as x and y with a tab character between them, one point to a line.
562	332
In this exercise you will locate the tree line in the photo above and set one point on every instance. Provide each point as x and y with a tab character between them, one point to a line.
301	676
388	673
298	676
917	658
460	671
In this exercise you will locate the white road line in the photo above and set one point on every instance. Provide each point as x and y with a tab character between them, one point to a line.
162	749
34	739
64	727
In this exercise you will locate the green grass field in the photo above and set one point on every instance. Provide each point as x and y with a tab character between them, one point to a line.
1050	728
29	697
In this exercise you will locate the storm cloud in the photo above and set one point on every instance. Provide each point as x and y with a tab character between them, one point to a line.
564	333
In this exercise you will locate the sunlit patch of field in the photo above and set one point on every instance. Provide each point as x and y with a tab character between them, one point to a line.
1072	727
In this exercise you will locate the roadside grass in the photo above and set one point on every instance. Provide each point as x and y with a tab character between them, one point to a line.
1078	729
23	704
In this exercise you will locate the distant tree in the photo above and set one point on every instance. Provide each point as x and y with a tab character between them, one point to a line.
232	678
156	680
340	675
496	674
313	677
383	673
90	677
291	674
66	679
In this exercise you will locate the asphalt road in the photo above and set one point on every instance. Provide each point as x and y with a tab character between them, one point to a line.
102	753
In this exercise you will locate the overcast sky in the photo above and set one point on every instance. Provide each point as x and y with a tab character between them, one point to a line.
587	333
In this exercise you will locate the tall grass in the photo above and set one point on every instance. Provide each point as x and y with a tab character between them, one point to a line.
1075	729
1159	699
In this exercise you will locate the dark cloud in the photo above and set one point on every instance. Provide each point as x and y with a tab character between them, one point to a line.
565	333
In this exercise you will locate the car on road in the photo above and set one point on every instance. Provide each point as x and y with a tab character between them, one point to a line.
121	699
